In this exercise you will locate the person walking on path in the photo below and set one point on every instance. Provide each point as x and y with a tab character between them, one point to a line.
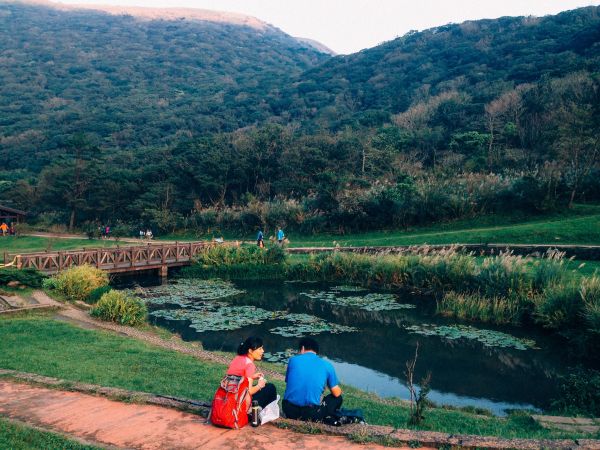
306	378
4	228
280	236
260	238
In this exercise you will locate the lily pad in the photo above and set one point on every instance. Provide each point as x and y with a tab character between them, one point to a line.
489	338
218	316
187	292
368	302
305	324
279	357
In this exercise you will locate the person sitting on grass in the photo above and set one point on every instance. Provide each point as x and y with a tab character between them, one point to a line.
243	366
306	377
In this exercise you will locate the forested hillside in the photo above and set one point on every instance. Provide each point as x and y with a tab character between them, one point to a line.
205	125
128	82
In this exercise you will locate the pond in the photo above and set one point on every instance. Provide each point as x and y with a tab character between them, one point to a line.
369	336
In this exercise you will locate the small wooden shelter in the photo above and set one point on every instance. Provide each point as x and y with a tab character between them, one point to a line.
11	215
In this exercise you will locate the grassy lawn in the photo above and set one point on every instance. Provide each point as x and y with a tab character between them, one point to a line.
36	343
15	436
575	230
27	244
580	225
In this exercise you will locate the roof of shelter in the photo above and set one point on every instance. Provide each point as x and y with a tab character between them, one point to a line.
12	210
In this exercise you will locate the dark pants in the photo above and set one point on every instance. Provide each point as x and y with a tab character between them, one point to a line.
327	408
266	395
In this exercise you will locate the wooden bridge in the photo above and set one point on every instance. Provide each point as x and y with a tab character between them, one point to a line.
112	259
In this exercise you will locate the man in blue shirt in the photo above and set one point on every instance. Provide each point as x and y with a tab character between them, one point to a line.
280	236
307	377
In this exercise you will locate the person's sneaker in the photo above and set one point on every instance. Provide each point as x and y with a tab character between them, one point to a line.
333	421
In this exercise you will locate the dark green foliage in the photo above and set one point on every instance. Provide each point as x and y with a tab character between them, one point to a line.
213	126
96	294
579	393
27	277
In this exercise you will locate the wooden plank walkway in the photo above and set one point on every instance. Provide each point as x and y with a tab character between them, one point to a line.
112	260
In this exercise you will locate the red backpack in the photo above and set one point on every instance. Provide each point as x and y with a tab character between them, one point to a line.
229	407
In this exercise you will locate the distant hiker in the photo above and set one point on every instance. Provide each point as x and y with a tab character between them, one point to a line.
12	231
260	238
4	228
149	234
307	376
142	234
280	236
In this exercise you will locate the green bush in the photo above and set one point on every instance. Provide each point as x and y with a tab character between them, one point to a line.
78	282
28	277
579	393
499	310
559	306
96	294
590	295
226	255
116	306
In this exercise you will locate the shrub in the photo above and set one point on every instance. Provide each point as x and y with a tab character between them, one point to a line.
116	306
559	305
579	393
96	294
225	255
78	282
499	310
590	295
28	277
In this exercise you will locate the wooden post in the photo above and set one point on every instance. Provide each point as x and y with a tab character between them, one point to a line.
176	251
163	256
60	261
163	273
98	256
19	262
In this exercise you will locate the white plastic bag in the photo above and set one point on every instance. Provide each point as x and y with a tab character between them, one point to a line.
270	412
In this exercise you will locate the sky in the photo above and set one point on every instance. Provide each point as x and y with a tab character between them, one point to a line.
347	26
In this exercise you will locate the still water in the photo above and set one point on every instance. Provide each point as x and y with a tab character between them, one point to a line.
496	368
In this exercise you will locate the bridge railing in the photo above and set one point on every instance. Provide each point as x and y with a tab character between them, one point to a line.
110	258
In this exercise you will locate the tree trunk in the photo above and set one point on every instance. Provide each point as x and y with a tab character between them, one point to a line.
72	220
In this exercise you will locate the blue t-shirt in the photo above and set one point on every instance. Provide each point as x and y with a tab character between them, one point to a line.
280	235
307	377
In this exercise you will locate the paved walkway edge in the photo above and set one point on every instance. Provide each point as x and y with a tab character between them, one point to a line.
372	433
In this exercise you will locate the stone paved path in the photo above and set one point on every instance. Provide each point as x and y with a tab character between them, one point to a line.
108	422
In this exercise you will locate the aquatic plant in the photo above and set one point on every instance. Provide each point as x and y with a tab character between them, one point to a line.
305	324
218	316
279	357
367	302
489	338
186	292
500	310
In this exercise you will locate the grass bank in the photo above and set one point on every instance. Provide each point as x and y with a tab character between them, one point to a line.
16	436
30	244
36	343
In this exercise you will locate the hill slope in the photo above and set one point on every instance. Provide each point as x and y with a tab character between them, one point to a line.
479	58
132	81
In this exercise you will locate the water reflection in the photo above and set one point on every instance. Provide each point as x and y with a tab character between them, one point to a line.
390	387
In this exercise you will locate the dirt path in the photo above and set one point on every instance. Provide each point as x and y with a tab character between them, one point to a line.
109	422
